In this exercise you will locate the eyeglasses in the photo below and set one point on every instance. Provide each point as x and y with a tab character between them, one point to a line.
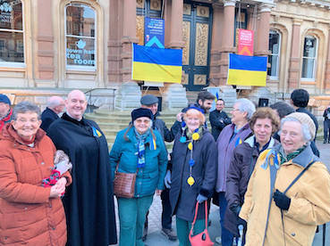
235	109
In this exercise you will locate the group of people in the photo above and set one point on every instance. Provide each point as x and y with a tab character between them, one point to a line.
261	167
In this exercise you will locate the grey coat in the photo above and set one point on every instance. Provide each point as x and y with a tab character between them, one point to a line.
182	196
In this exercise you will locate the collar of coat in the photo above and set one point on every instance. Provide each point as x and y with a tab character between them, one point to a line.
10	133
303	159
250	141
131	136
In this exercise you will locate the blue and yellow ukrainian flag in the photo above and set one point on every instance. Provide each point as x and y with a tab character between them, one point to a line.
247	70
154	64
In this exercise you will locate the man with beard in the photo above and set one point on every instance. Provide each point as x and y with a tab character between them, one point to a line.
88	202
204	101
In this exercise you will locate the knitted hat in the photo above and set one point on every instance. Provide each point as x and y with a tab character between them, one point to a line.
4	99
148	100
304	118
141	112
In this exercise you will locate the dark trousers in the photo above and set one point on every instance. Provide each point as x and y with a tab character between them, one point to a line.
326	132
167	210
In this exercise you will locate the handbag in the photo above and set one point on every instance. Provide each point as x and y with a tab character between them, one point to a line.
203	238
124	184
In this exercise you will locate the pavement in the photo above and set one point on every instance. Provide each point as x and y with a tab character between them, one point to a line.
156	238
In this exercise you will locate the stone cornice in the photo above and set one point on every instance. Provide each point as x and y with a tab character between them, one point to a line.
229	3
313	3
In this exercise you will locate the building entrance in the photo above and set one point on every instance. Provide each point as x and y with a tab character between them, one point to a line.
197	26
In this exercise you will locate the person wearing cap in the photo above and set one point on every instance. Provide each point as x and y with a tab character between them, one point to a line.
89	201
138	149
194	168
55	106
277	209
204	102
5	110
151	102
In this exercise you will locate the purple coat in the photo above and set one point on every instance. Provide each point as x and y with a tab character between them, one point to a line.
226	146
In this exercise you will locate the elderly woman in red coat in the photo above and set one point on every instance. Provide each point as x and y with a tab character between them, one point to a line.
30	213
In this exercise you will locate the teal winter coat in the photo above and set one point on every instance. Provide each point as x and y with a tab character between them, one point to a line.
124	152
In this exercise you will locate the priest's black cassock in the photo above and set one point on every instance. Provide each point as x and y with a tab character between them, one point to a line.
88	202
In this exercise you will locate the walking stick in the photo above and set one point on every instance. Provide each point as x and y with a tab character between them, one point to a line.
240	239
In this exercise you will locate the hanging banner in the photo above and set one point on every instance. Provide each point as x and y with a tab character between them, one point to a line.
154	64
247	70
154	32
245	42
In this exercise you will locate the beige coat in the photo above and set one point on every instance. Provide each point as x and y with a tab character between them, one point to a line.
310	202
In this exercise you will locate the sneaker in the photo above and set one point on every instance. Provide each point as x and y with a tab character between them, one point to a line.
218	240
170	234
325	141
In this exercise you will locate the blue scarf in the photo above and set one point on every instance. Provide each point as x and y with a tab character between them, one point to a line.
141	139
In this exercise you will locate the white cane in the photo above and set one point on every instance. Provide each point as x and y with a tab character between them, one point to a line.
240	239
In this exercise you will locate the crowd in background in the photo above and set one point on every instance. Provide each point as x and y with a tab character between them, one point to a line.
261	167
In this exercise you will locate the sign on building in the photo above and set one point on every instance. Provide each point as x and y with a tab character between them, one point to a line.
245	42
154	32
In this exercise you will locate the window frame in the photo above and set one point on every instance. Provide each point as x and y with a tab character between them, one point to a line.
17	64
278	55
315	59
78	67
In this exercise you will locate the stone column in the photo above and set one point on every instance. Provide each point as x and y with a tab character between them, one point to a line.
327	66
294	61
216	45
261	47
129	37
227	41
45	44
175	31
114	42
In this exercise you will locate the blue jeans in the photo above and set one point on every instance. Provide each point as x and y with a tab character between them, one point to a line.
226	236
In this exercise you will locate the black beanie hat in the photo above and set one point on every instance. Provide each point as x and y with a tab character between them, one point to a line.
141	112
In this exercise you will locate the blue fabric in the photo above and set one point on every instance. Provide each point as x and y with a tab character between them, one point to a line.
124	153
141	138
183	228
226	236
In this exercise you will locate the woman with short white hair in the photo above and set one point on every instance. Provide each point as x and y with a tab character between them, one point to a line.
289	191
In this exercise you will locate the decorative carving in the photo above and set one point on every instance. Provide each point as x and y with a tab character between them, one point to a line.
186	40
155	4
140	4
186	9
200	79
140	29
201	43
203	11
185	78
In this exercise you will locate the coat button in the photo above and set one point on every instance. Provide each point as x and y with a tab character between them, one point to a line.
25	208
53	228
6	238
50	205
42	163
293	234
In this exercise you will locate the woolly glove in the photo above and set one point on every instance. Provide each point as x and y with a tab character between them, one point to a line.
281	200
200	198
167	179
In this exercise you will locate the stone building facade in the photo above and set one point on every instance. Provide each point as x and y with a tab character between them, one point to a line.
52	46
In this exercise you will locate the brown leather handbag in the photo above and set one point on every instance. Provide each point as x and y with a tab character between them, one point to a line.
124	184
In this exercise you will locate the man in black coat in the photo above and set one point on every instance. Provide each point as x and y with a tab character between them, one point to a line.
218	119
55	106
151	102
326	125
88	202
299	101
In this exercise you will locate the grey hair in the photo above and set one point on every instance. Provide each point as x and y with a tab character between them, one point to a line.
54	102
305	129
25	106
245	105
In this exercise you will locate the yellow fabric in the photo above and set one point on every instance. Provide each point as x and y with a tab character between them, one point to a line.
310	199
156	72
246	77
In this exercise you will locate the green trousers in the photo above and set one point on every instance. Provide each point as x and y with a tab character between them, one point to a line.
132	214
183	228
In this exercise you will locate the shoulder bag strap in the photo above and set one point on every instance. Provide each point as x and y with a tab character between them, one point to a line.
299	175
196	211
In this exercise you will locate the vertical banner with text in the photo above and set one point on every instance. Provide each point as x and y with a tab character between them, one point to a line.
154	32
245	42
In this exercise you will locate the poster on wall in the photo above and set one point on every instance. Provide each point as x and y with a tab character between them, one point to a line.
154	32
245	42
